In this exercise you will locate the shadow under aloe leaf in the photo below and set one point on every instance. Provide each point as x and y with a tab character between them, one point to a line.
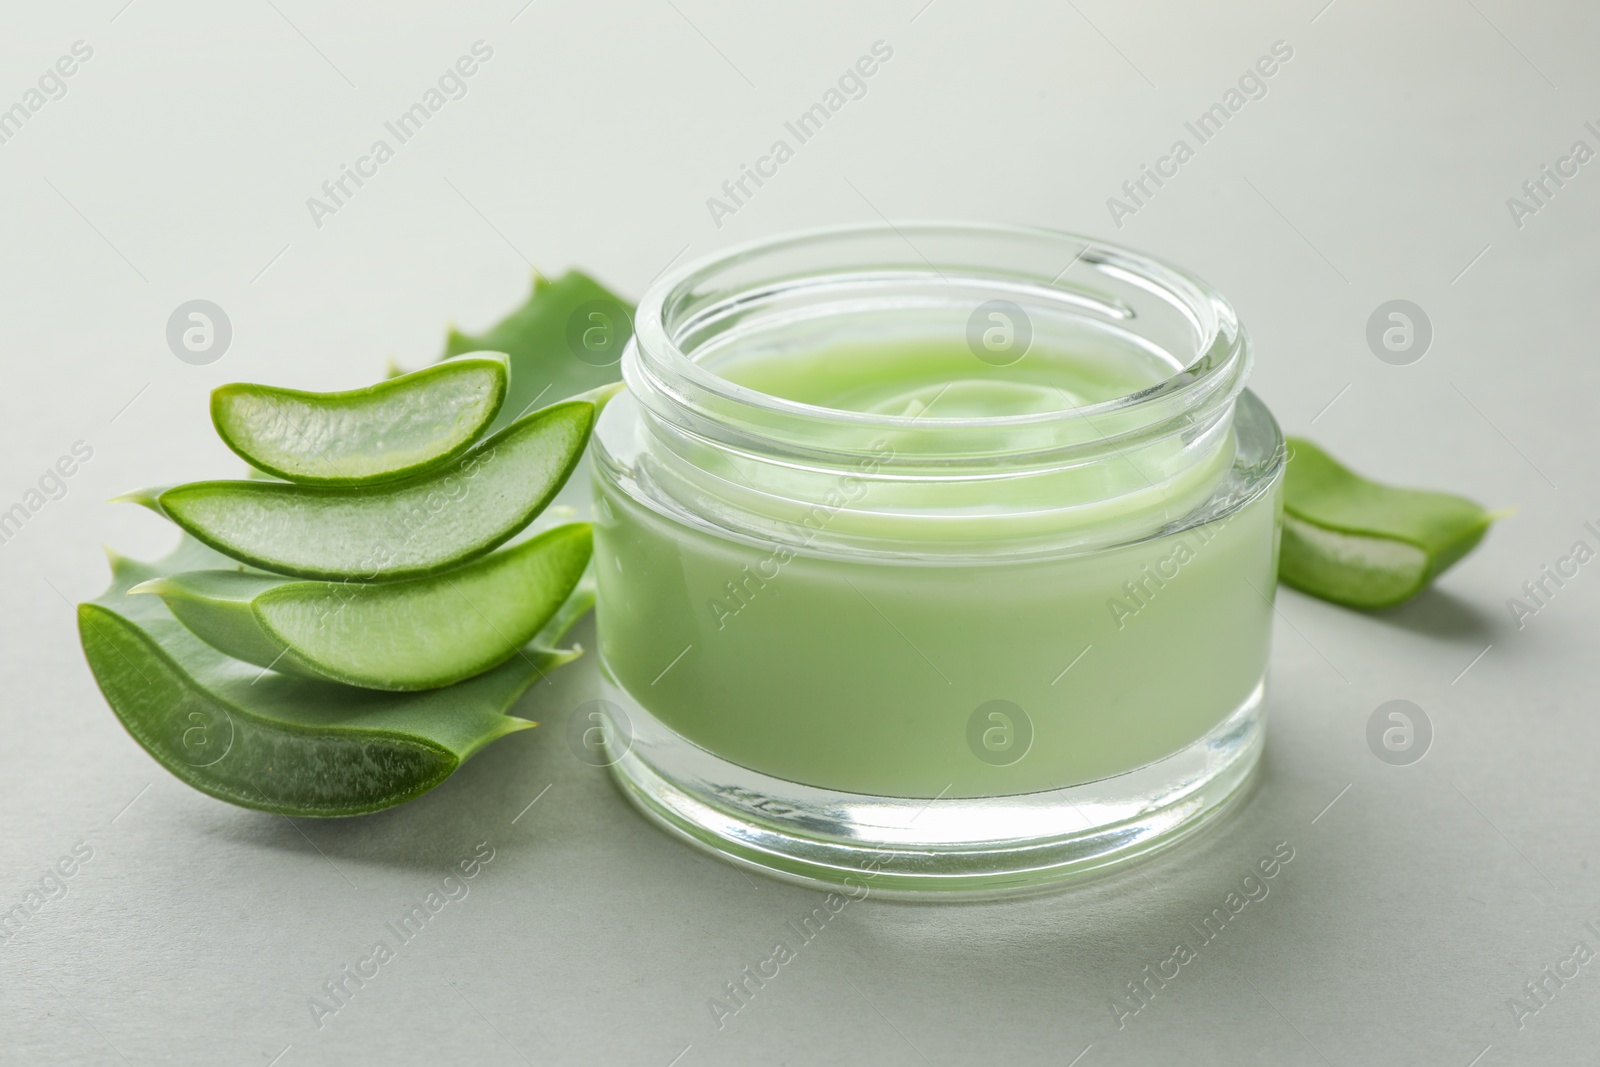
1444	615
476	803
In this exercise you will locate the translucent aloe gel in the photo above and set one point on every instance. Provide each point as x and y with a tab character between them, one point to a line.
961	566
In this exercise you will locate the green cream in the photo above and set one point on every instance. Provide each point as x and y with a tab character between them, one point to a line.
847	632
939	377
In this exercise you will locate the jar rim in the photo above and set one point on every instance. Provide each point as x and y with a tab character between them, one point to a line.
1212	377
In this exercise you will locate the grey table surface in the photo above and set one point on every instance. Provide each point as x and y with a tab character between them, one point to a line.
1378	162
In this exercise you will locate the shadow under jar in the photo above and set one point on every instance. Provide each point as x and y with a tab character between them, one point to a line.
935	560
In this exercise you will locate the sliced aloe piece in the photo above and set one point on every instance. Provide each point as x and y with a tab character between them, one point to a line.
416	634
565	339
380	433
1364	544
424	524
283	744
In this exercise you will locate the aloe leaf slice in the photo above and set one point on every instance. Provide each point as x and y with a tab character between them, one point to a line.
424	524
364	436
283	744
421	633
1364	544
565	339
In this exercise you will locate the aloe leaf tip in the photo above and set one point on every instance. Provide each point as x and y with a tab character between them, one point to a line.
149	498
157	586
601	396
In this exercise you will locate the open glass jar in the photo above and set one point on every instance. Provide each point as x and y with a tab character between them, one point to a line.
935	558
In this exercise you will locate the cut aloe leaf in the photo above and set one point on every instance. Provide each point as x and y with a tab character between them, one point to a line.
424	524
1363	544
567	338
283	744
381	433
417	634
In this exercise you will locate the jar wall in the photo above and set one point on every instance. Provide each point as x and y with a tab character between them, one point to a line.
864	674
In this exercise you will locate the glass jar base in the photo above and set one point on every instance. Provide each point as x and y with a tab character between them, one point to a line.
919	848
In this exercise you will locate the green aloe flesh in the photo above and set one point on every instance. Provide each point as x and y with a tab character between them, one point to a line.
421	525
377	434
278	743
1363	544
384	502
408	635
565	339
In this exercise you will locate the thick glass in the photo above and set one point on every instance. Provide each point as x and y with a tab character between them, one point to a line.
938	558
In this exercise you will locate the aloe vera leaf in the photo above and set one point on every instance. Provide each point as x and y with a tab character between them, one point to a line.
422	525
545	335
381	433
1364	544
421	633
278	743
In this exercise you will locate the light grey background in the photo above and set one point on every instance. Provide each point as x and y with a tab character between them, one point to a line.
1377	167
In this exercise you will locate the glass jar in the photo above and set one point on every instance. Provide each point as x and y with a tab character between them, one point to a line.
934	558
